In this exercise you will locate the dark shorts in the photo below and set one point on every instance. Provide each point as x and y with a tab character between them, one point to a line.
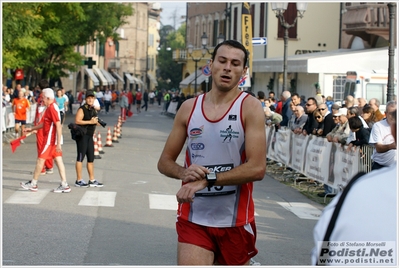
138	101
23	122
85	147
231	245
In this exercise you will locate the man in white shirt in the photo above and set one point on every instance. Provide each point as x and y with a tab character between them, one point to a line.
384	152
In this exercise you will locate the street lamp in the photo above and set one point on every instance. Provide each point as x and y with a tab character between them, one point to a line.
190	49
279	9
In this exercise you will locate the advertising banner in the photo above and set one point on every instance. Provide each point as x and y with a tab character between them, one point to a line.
299	145
317	161
283	145
345	165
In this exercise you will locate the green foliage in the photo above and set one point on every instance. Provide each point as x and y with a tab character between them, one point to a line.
169	71
42	36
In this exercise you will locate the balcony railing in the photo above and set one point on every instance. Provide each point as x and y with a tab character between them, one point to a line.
180	55
367	19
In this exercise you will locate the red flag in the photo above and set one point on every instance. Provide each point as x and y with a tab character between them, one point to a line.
17	142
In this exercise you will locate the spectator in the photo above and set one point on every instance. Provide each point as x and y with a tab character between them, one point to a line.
261	97
319	118
328	121
362	102
60	101
124	104
297	100
366	210
71	100
115	99
80	96
130	99
100	97
107	99
368	116
279	107
354	112
349	101
362	135
151	95
293	116
384	152
329	103
159	98
272	118
311	123
6	96
300	119
375	104
286	112
139	96
269	103
167	99
341	132
145	100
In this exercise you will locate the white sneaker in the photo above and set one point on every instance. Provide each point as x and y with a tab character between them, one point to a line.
62	189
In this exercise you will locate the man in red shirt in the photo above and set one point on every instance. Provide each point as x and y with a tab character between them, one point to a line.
20	107
40	141
138	100
52	130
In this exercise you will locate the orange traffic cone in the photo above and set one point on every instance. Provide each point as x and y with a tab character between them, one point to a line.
100	144
118	131
108	143
96	152
115	136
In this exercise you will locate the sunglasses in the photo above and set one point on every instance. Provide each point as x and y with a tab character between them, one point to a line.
322	109
307	104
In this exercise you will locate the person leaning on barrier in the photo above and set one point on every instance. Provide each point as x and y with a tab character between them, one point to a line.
328	121
300	119
375	104
361	134
384	152
272	118
311	123
86	117
366	210
368	116
354	112
341	132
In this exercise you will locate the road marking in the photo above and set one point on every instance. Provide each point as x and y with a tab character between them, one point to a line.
27	197
162	201
302	210
98	199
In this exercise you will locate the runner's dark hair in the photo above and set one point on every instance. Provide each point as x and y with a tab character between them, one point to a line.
231	43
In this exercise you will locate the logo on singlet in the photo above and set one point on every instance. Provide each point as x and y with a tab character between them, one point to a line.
197	146
196	132
228	134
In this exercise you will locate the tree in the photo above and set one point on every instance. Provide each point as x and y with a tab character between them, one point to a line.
169	71
41	37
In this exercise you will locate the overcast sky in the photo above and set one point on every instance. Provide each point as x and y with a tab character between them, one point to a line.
168	11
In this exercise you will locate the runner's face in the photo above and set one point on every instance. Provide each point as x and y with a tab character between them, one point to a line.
227	67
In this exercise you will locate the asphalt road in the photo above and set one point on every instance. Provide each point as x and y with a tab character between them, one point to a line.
131	220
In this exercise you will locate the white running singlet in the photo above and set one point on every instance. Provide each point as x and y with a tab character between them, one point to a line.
219	146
